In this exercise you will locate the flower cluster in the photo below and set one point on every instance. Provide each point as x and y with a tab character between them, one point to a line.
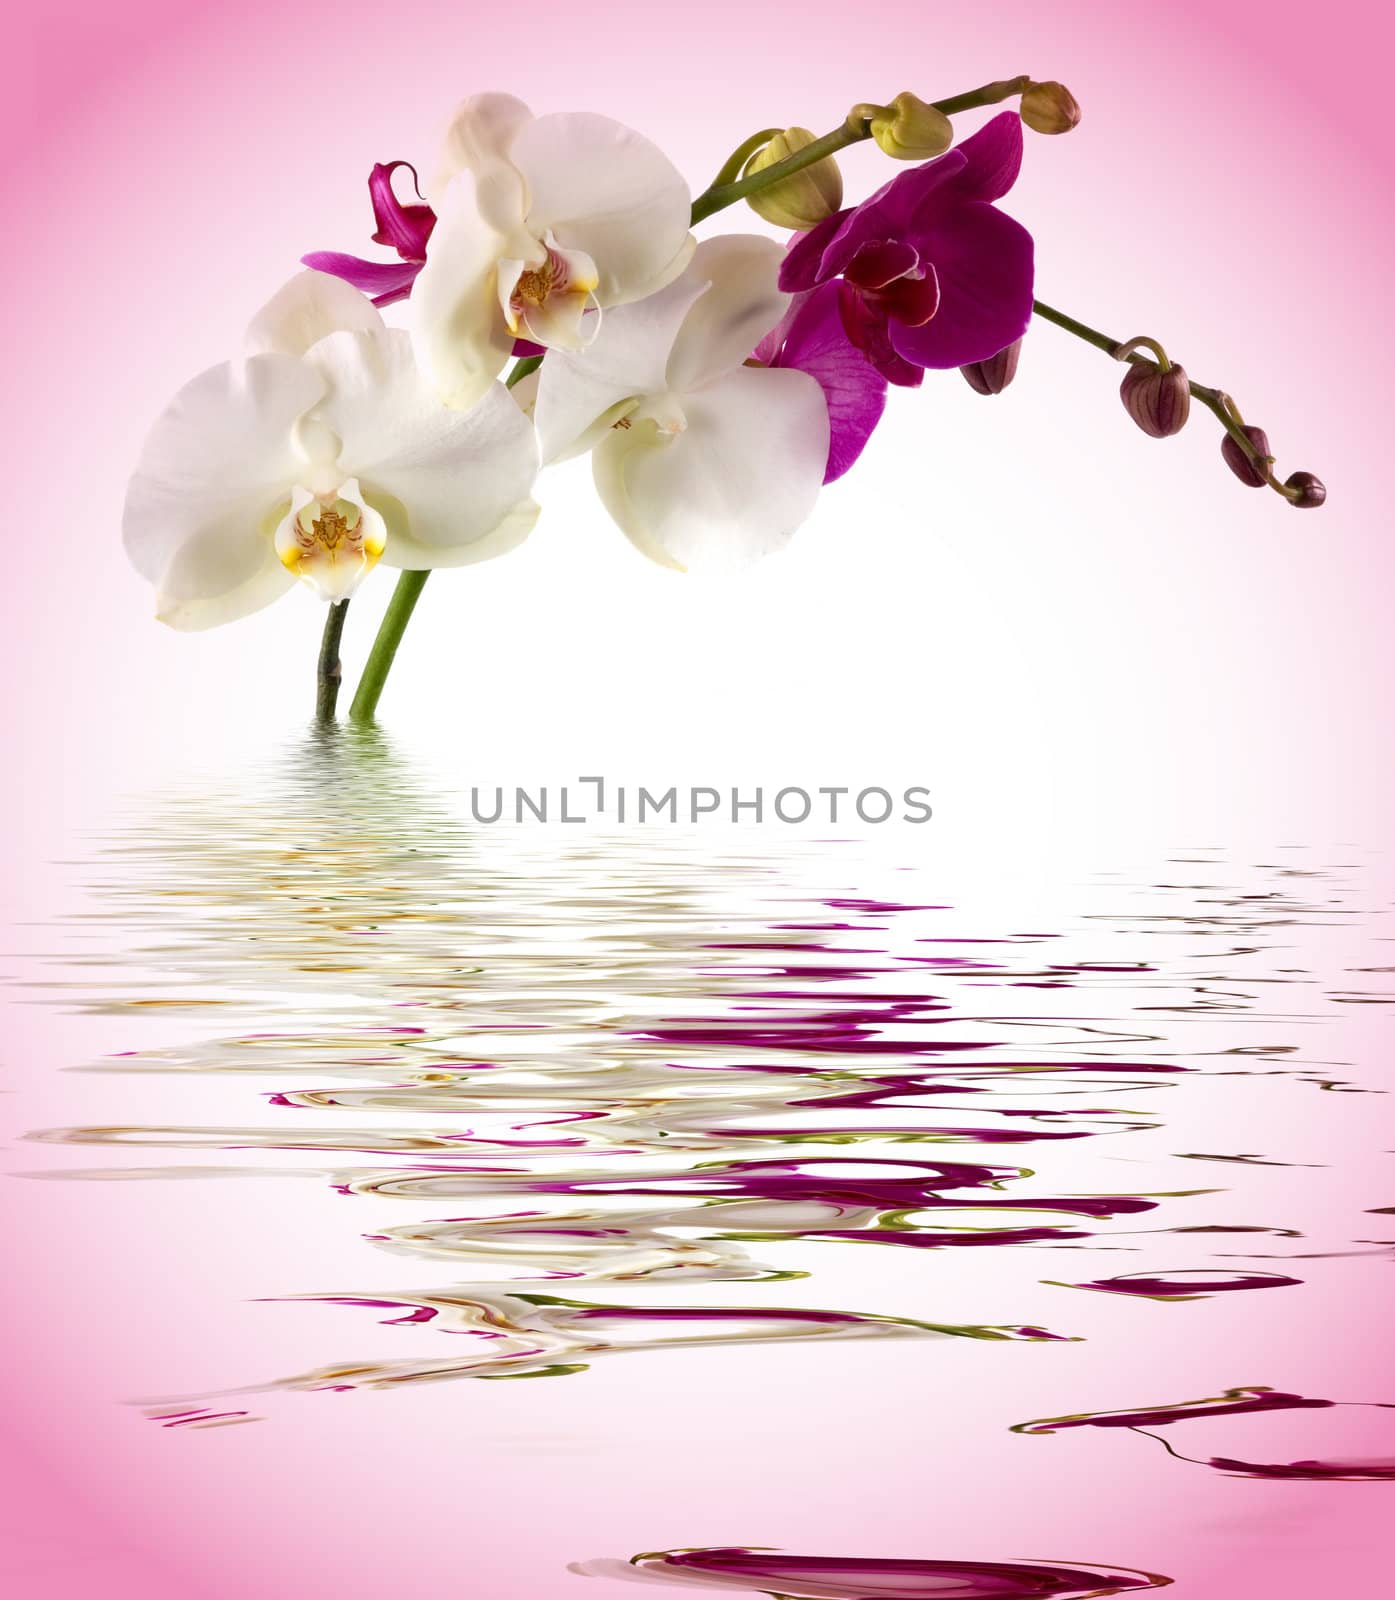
716	385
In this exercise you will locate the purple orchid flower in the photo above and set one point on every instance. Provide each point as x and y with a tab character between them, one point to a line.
930	273
812	338
404	228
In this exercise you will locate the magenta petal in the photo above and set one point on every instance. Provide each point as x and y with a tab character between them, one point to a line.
984	263
867	328
992	159
818	344
404	228
880	262
912	300
385	282
804	255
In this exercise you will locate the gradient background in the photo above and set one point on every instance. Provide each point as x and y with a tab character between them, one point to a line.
1083	641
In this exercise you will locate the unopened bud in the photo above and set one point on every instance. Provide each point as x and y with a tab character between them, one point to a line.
1159	402
1049	108
994	375
804	198
910	130
1240	464
1311	490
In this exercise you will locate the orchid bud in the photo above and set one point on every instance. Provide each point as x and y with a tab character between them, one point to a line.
910	130
1049	108
1312	491
1240	464
1158	401
804	198
994	375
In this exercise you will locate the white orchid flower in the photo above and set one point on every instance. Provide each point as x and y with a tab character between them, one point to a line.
320	452
539	220
702	461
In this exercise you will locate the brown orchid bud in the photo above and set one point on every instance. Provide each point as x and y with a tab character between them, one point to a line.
1240	464
1311	490
1159	402
994	375
1049	108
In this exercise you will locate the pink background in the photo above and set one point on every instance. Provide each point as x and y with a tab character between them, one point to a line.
1102	641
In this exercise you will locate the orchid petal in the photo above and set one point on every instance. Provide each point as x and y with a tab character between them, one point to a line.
458	329
628	358
384	282
405	229
741	303
213	480
826	251
733	485
479	140
267	583
603	189
800	269
816	342
992	159
559	324
879	262
305	309
452	486
869	330
983	260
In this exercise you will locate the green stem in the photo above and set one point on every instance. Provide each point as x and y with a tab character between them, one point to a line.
731	168
853	131
329	673
1217	401
390	631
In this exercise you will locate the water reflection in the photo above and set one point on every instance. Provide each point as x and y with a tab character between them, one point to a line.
656	1075
790	1577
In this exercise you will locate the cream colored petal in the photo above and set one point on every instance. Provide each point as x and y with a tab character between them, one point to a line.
733	485
304	310
444	480
742	304
268	582
215	476
479	140
604	189
458	328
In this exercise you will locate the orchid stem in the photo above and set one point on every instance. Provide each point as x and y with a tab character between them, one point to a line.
853	131
330	673
380	657
1217	401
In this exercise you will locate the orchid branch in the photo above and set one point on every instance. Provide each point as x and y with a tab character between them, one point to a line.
330	672
1217	401
856	129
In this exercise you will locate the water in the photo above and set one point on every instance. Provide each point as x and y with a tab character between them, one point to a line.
975	1243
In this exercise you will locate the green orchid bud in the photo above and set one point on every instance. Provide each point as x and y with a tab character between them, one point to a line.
1049	108
910	130
802	199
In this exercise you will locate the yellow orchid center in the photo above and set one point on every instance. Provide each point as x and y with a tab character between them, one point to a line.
331	543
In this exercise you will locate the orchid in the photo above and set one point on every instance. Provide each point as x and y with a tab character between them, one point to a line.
404	228
702	460
541	222
717	386
932	273
319	453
